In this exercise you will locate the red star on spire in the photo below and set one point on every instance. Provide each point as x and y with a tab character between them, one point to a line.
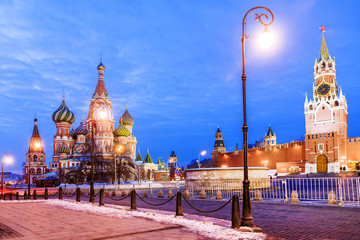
322	28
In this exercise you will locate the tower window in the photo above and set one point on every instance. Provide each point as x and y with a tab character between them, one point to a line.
336	103
35	158
330	65
323	65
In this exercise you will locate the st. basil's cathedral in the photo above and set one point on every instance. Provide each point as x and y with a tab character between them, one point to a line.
72	148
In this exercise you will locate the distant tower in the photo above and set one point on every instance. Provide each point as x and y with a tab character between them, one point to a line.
270	139
325	118
100	120
80	135
63	119
35	157
172	164
219	143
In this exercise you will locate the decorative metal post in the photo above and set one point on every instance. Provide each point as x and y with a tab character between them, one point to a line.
247	219
179	208
92	192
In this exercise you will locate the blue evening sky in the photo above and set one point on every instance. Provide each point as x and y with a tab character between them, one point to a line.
175	64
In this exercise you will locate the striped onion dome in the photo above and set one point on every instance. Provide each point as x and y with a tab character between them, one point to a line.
63	114
121	131
126	119
63	148
80	130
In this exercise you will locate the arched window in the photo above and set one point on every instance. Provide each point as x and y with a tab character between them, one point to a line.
336	103
330	65
323	65
311	107
32	171
38	171
35	158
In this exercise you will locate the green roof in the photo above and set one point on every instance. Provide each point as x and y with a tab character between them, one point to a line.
147	158
270	132
138	157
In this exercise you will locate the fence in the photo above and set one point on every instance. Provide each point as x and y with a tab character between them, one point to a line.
345	189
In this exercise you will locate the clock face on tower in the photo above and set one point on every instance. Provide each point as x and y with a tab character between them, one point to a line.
323	89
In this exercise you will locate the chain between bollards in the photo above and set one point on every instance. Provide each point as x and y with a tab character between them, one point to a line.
235	212
133	200
179	208
101	198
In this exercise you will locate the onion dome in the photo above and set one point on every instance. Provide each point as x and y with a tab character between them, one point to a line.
126	119
121	131
101	66
63	148
63	114
80	130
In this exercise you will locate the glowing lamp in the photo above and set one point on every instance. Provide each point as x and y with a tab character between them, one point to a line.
224	166
8	159
266	39
37	144
102	114
203	153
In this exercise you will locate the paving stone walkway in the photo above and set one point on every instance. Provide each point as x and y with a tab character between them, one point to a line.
37	220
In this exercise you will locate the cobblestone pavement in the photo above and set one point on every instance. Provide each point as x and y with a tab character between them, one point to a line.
37	220
279	220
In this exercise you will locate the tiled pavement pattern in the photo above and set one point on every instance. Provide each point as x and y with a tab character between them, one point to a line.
280	220
6	232
37	220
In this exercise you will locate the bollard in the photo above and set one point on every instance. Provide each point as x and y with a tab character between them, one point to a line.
78	195
10	196
258	197
25	195
145	195
160	194
46	194
179	208
332	198
186	194
294	197
218	195
202	194
34	195
235	212
133	200
101	197
170	194
17	195
4	196
60	193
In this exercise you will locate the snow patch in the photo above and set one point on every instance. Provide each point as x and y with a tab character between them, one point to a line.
205	228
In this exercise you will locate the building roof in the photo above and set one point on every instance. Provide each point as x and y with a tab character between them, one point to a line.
148	158
126	119
270	132
35	139
100	87
324	53
172	154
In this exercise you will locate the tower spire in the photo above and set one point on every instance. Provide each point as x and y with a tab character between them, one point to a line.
324	53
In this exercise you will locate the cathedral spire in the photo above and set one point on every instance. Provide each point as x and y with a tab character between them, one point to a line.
100	87
324	53
35	140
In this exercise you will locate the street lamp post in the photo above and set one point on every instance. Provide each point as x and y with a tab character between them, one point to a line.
7	158
202	153
92	192
247	219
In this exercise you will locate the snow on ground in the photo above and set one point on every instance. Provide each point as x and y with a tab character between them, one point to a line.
207	229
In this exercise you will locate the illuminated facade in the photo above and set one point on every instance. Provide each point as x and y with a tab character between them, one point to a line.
35	157
326	146
95	135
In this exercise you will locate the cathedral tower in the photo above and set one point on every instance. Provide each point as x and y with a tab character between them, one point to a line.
63	119
35	157
325	117
219	143
100	120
